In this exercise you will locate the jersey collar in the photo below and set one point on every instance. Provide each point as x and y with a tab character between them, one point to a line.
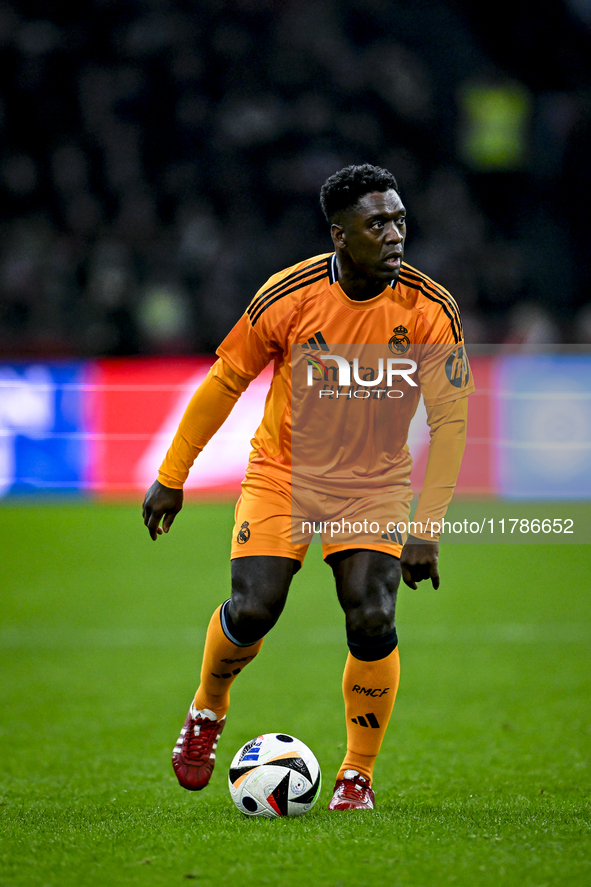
333	276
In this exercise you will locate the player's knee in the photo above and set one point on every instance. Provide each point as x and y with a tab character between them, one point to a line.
254	608
248	610
371	619
259	591
243	623
371	632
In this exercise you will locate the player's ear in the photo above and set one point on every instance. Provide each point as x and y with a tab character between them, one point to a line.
337	232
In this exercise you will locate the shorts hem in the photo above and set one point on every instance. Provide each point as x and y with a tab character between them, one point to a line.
269	552
392	548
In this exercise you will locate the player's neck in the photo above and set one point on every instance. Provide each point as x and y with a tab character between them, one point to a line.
358	287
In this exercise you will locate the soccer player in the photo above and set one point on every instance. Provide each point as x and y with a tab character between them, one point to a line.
362	295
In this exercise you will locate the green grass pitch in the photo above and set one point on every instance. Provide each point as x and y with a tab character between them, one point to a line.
483	778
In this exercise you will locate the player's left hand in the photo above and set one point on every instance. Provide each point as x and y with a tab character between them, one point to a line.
419	560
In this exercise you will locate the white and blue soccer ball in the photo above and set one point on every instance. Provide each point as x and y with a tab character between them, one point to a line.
274	775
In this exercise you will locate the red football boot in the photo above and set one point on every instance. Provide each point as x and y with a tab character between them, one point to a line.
193	757
352	793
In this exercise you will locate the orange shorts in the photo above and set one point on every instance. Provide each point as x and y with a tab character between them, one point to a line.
269	522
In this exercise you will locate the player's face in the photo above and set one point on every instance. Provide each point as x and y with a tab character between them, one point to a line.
372	235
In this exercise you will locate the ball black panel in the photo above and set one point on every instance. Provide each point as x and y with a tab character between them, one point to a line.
237	772
280	794
297	764
250	804
309	796
283	737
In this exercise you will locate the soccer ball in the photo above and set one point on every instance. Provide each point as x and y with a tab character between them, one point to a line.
274	775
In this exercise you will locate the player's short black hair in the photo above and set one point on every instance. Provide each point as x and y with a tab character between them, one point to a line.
343	189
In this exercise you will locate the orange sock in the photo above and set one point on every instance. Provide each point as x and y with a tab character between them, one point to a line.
369	689
222	663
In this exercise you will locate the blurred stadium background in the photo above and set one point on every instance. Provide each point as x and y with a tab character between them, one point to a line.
160	158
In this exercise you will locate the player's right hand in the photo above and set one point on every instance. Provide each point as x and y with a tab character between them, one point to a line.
161	504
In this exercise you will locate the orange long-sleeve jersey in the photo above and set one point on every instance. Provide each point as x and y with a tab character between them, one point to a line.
344	431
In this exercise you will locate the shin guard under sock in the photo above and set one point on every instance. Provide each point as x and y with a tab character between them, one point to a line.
223	661
369	689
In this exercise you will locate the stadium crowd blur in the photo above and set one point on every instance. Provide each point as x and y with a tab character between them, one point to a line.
160	158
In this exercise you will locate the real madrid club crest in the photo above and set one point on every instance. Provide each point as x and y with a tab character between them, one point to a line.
399	343
243	533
